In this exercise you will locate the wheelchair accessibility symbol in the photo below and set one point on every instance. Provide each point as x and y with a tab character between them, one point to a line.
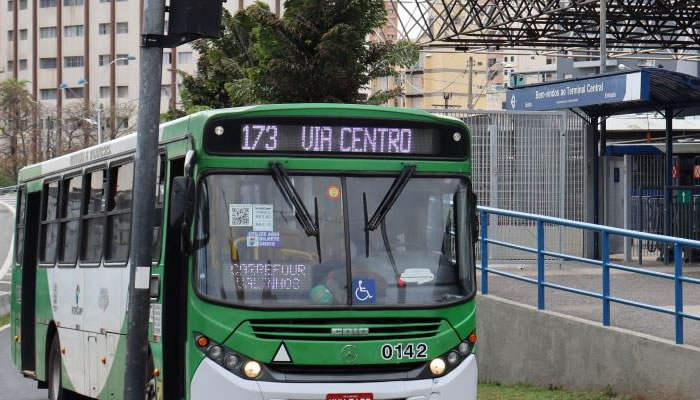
364	291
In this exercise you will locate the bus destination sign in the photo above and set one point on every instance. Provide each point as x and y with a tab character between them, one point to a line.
336	139
315	137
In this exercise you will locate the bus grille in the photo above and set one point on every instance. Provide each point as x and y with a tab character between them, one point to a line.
323	329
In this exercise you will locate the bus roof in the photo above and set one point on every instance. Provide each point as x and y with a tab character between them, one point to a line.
180	128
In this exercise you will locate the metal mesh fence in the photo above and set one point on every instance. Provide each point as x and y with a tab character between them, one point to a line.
529	162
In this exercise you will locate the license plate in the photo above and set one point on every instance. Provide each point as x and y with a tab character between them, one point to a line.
350	396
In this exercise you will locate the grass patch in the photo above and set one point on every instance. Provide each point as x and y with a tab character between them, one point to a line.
495	391
4	319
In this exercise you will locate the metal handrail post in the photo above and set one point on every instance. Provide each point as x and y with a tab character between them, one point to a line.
606	277
540	264
484	253
678	273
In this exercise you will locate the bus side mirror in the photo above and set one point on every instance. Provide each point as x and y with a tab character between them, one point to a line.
182	207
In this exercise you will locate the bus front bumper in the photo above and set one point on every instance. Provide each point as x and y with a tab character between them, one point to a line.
213	382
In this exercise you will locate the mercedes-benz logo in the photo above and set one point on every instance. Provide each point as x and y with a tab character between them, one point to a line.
349	353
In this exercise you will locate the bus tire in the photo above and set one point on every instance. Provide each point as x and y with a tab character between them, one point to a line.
54	376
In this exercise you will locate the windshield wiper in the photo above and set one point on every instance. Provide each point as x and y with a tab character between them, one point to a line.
389	199
308	223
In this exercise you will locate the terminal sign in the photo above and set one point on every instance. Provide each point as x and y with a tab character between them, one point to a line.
577	93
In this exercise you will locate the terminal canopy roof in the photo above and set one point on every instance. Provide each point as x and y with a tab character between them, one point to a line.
620	92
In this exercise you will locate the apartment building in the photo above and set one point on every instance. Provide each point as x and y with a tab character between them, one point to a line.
87	51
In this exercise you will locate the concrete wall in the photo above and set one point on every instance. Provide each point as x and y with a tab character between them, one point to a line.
518	344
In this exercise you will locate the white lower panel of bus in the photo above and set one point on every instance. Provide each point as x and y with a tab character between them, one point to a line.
213	382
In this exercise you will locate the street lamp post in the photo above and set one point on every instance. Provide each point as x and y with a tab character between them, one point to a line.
99	102
488	79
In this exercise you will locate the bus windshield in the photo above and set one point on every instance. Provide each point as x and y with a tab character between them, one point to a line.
252	248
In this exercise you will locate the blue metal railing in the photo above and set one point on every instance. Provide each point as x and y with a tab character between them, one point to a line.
604	263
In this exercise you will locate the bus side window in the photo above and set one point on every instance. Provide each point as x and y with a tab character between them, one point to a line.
119	201
19	241
158	216
93	220
70	220
49	224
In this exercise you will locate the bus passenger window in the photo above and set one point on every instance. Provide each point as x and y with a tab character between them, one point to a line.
19	241
49	225
158	216
93	221
70	219
119	212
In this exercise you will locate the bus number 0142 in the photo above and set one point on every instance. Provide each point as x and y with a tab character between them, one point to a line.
409	351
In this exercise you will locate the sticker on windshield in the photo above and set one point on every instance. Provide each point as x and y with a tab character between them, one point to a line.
364	291
333	193
417	276
262	217
263	239
240	215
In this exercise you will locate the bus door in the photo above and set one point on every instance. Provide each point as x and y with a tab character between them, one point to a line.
28	292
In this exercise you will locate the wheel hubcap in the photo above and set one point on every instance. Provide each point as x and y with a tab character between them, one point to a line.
55	377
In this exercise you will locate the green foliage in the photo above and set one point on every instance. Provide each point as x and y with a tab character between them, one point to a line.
4	319
317	52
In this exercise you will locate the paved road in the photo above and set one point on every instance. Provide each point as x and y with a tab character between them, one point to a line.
6	232
629	286
12	385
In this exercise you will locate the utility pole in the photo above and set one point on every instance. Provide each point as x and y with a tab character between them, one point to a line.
189	20
603	36
447	97
471	83
144	203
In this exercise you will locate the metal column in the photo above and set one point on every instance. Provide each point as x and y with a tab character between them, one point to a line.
668	182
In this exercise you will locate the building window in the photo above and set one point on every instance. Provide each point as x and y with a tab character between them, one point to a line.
10	65
48	94
103	59
123	59
10	35
47	63
22	4
549	61
104	29
122	91
165	91
72	2
10	5
104	92
73	62
47	3
47	32
23	65
23	34
185	57
122	27
166	58
75	93
73	30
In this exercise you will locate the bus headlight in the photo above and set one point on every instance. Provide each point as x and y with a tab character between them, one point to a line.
437	366
234	362
252	369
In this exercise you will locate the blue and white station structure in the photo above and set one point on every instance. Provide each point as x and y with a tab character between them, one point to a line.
595	98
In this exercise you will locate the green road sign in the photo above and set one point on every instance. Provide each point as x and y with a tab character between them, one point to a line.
684	196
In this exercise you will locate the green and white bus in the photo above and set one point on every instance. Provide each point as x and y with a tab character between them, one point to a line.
307	251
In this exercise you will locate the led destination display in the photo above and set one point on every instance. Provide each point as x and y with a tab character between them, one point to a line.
336	139
344	137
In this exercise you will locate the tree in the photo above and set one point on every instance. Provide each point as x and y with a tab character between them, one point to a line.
317	52
19	115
